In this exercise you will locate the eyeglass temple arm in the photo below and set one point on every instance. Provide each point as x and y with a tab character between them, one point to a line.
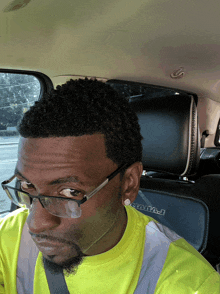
9	180
120	168
111	176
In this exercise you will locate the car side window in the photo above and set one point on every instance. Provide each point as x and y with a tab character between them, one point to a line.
18	92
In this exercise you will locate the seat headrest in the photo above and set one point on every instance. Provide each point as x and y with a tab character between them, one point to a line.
169	128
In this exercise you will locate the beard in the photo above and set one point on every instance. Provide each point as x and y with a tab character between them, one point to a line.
69	266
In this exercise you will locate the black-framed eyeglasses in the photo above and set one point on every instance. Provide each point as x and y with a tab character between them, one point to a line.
58	206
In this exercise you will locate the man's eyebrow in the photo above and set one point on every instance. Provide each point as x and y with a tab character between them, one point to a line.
64	180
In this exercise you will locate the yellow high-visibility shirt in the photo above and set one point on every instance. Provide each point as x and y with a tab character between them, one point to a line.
149	259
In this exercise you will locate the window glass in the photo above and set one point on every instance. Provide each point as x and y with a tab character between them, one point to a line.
132	90
17	93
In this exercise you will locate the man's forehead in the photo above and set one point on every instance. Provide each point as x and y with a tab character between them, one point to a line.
53	159
89	146
64	156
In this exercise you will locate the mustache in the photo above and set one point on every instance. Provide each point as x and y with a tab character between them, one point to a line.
51	238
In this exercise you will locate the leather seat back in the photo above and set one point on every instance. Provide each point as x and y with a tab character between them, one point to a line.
171	149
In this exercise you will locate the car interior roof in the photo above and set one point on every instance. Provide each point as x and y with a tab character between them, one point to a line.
168	43
132	40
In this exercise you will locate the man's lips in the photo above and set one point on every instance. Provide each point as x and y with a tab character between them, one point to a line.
37	238
49	247
54	247
40	240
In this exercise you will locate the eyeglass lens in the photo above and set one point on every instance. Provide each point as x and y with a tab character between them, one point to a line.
58	207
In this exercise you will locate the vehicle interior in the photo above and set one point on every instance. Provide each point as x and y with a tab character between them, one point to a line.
164	56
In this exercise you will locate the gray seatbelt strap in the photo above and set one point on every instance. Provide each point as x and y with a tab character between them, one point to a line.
55	279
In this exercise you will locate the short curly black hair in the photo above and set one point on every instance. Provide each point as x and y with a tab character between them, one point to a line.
86	107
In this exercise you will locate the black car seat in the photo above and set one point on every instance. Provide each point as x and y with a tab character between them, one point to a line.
170	192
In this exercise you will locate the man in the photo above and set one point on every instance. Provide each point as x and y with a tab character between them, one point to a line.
79	168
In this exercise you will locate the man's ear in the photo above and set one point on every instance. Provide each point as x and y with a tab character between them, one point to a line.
131	182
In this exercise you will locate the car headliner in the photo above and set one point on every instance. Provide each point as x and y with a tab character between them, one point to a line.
139	40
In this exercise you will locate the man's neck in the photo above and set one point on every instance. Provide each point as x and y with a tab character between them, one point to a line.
111	237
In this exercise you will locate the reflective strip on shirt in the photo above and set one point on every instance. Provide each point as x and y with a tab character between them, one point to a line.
27	257
157	241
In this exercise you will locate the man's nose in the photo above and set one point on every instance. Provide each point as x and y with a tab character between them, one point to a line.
40	220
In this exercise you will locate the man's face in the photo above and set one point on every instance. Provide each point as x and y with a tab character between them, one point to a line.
49	166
